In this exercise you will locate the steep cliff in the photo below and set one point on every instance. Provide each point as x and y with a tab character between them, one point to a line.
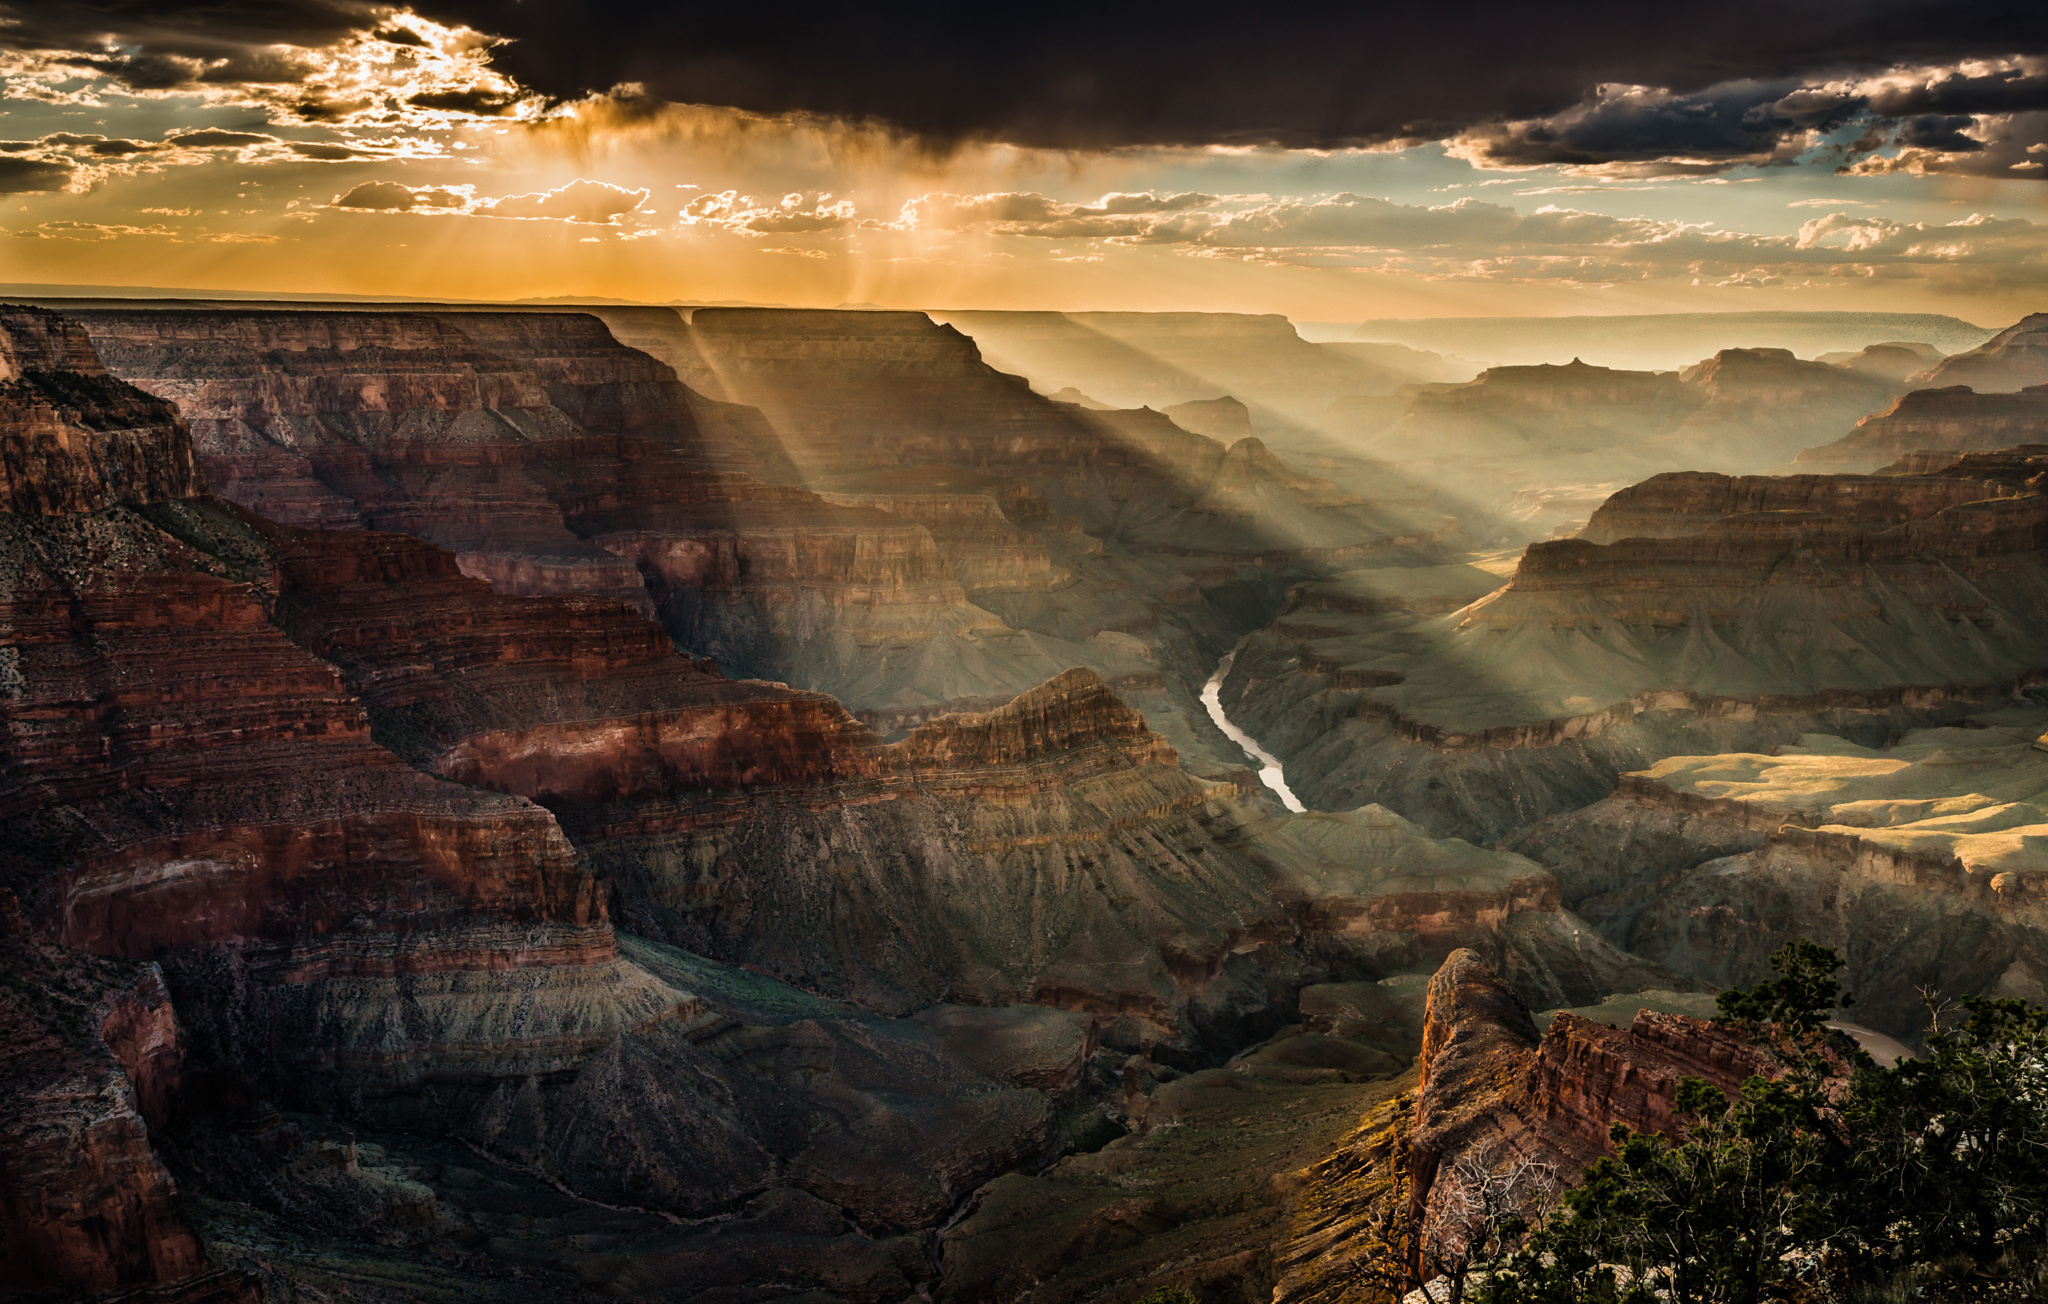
1164	546
72	438
189	773
1657	632
1158	359
90	1056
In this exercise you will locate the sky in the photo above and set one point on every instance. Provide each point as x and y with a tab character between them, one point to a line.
1329	162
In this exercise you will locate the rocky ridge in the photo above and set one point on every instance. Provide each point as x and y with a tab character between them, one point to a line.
2013	359
1954	418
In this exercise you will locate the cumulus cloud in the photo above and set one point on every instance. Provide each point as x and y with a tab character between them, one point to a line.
584	203
590	202
391	197
796	213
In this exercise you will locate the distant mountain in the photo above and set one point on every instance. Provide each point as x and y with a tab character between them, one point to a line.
1663	341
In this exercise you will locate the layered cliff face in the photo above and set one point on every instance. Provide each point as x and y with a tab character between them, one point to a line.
198	715
2013	359
1757	406
550	459
1658	633
1491	1094
1163	546
1050	850
1953	418
1920	860
90	1055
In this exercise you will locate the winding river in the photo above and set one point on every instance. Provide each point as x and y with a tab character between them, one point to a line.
1269	772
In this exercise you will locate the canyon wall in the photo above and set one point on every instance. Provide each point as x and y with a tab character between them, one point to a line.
1657	633
2013	359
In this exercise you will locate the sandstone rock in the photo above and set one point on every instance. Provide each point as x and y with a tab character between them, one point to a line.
1491	1092
72	438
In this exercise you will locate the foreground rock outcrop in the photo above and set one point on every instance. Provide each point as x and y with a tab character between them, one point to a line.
1492	1093
90	1060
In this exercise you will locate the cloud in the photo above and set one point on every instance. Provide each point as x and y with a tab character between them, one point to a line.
1981	117
66	229
352	65
1029	213
386	197
1321	73
323	153
796	213
1471	239
213	138
1065	76
597	202
22	175
584	203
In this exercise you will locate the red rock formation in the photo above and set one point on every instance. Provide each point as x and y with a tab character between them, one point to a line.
89	1052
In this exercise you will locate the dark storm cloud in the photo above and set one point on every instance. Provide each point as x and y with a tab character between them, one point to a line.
21	175
1766	122
1319	73
1596	83
148	45
480	102
214	138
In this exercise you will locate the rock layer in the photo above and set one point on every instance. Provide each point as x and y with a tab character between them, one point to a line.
2015	358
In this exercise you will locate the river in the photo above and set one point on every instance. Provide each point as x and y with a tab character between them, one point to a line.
1270	772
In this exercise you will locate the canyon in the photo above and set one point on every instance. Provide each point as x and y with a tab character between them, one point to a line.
532	804
370	825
